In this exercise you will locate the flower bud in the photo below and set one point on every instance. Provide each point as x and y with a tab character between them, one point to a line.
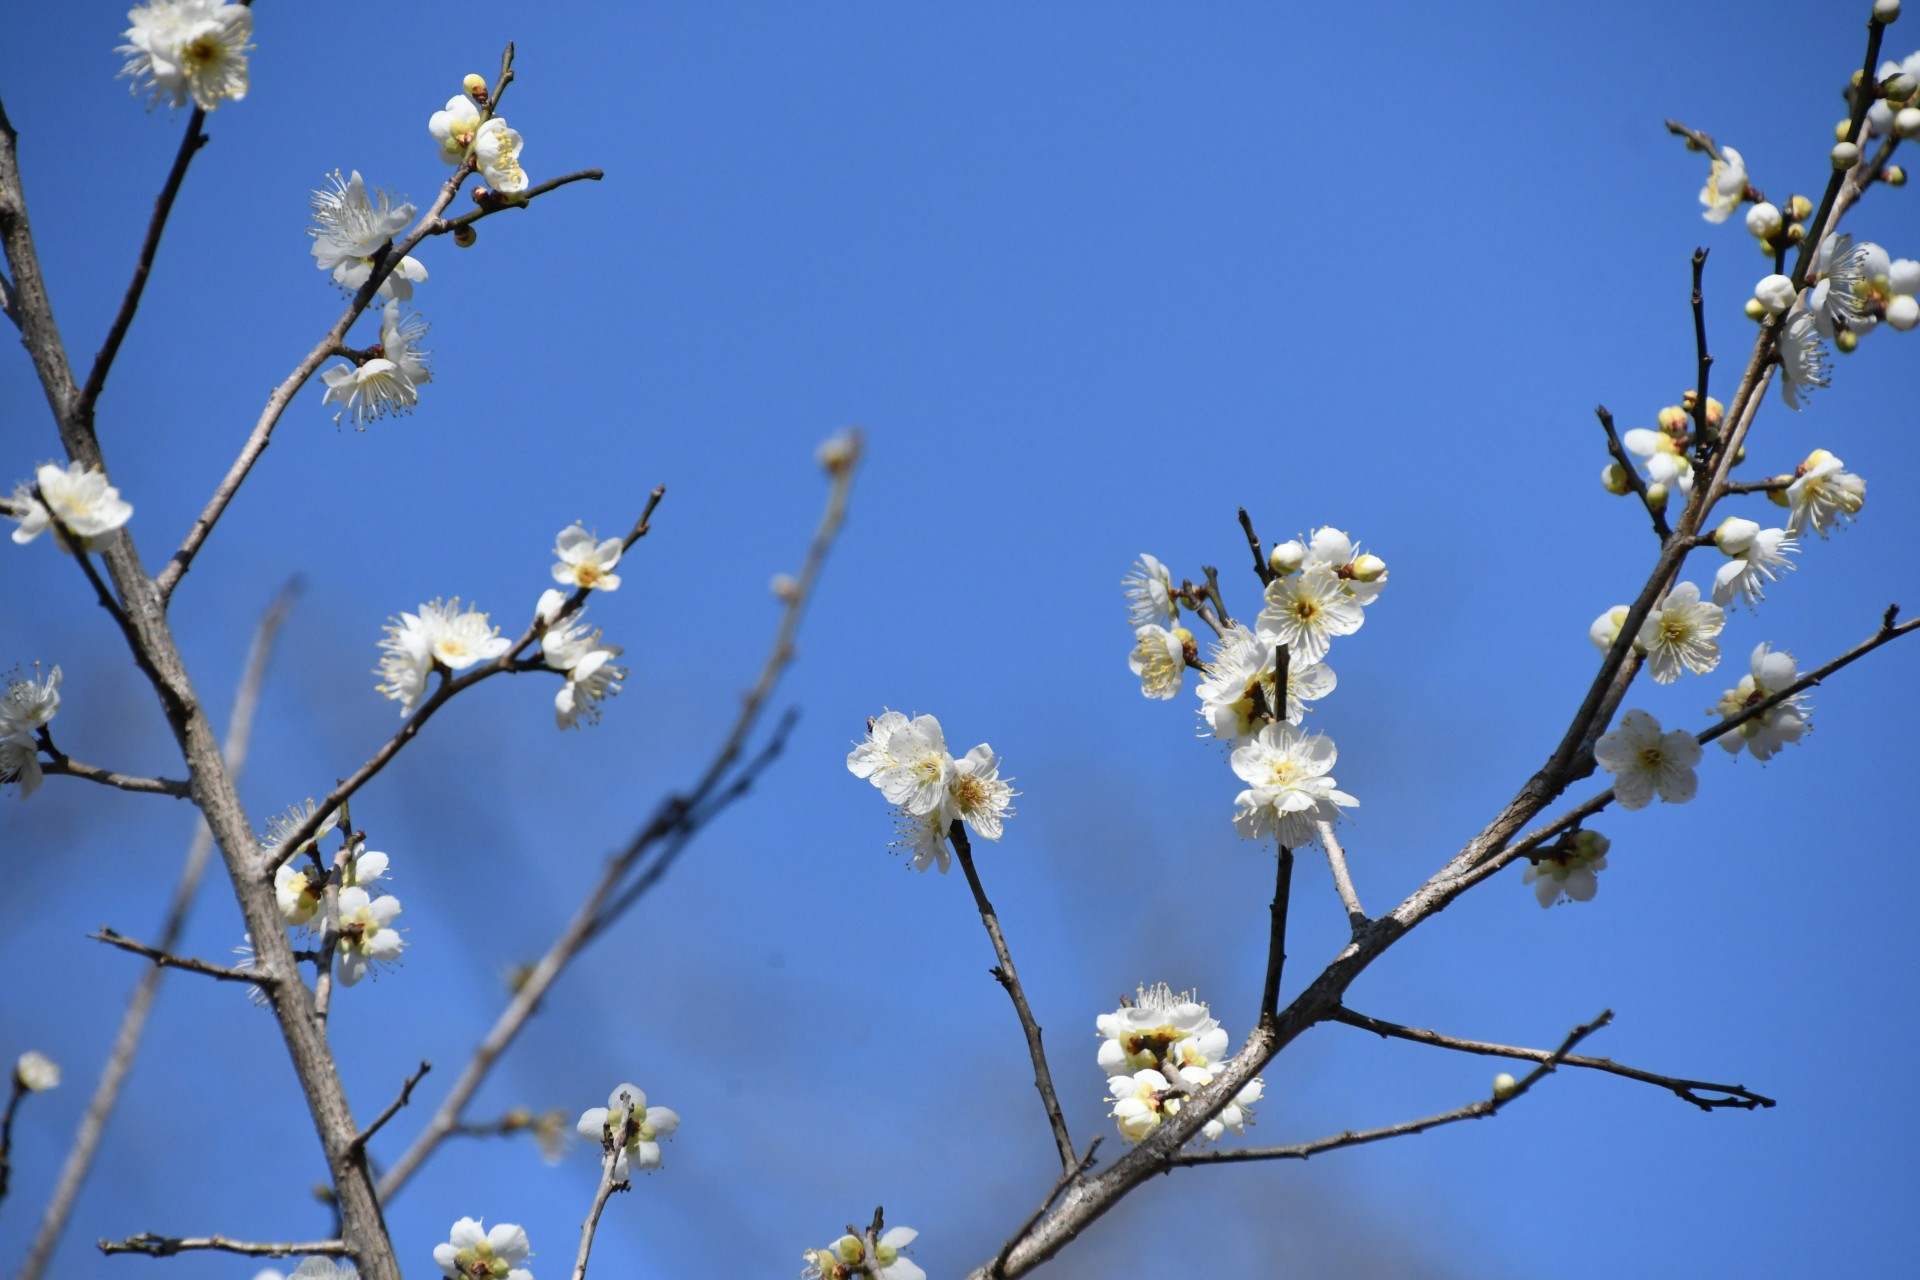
1504	1087
1799	209
1846	342
1893	175
1613	478
1368	568
549	607
1606	628
1675	419
1287	558
1903	312
1845	154
1886	12
1657	497
785	587
1588	845
1778	497
35	1072
1899	87
464	235
1796	233
1764	220
1776	293
839	452
1755	310
1735	536
475	86
480	195
1739	455
849	1249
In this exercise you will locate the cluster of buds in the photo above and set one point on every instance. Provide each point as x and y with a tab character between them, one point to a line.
1665	450
1774	228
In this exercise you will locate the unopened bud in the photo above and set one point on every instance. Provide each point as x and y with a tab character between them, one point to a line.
1846	341
839	452
1606	628
1657	496
849	1249
476	87
1899	87
1613	478
1776	293
1845	127
1754	309
1368	568
549	607
1845	155
481	195
1588	845
1504	1087
464	235
1799	209
1739	455
35	1072
1287	558
1764	220
1778	497
1735	536
1903	312
1796	233
1886	12
1675	418
785	587
1716	413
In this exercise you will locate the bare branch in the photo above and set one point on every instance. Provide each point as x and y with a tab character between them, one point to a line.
166	1246
1260	565
1354	1138
609	1161
498	204
1005	975
252	977
393	1108
58	762
1635	484
1703	434
28	304
86	1140
1692	1091
1342	881
1277	934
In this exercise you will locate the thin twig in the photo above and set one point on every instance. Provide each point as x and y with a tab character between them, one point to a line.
1731	1095
442	226
1703	436
1277	935
1260	565
393	1108
190	143
1817	227
17	1092
86	1140
1354	1138
166	1246
252	977
58	762
510	662
609	1160
1777	485
1342	881
1635	484
1005	975
1213	593
678	816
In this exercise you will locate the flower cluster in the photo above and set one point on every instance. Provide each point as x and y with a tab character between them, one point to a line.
635	1126
180	49
74	500
1566	873
851	1256
441	637
1319	590
29	704
465	129
930	790
1158	1050
472	1253
1784	722
364	935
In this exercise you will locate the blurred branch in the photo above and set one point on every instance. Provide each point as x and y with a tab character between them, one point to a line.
59	762
166	1246
1732	1095
393	1108
1005	975
86	1140
672	826
1354	1138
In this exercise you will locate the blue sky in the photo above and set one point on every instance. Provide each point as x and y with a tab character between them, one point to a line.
1091	277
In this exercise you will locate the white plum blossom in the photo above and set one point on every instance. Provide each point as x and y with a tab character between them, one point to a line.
299	890
1362	576
1606	628
586	562
367	935
440	635
924	837
454	128
1149	589
977	794
28	707
180	49
1306	611
1290	791
1237	1114
349	228
1569	876
908	761
1823	494
1159	659
1679	634
1754	555
460	638
1163	1030
472	1252
1764	221
1803	358
1644	760
1726	185
1853	287
497	150
283	825
77	496
569	646
36	1072
1139	1102
848	1256
389	381
1665	462
1776	293
641	1149
1237	695
1780	724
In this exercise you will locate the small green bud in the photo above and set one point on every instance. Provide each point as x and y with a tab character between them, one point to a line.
1799	208
1657	496
1845	155
1755	310
1613	478
1846	341
1893	175
464	236
1504	1087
